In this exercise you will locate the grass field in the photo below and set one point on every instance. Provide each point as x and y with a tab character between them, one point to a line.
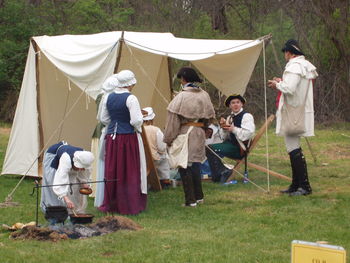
237	223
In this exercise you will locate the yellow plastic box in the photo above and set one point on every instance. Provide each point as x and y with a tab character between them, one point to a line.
310	252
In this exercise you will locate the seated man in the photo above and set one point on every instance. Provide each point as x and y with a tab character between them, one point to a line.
64	164
236	130
212	135
158	147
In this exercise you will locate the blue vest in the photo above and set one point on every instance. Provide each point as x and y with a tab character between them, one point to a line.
119	114
237	121
59	149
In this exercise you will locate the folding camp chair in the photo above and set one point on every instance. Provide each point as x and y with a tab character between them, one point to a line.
253	143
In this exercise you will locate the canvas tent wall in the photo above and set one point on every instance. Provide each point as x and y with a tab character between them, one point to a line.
63	76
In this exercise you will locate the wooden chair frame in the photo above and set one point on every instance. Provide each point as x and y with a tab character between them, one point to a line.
254	142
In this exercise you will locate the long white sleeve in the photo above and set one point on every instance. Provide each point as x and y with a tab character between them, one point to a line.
62	176
289	83
136	118
161	146
247	129
103	114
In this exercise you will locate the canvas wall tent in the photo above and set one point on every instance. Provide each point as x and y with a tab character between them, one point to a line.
63	76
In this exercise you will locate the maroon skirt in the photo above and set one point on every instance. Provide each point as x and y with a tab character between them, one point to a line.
122	164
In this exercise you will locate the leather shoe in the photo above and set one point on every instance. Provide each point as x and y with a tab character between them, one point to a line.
225	175
289	190
189	205
299	192
286	191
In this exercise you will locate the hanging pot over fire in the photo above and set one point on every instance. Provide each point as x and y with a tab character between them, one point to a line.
56	214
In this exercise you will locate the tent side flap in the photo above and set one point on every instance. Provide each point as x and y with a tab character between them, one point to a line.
219	69
86	60
23	145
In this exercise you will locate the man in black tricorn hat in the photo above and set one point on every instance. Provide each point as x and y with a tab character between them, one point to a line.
237	129
295	89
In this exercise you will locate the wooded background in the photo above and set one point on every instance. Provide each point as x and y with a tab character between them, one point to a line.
321	27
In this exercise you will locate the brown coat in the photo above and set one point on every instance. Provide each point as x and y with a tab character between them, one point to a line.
189	105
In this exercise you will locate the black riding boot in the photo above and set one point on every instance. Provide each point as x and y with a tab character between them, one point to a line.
300	168
219	173
294	185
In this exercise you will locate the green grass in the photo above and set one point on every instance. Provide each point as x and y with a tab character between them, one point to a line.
237	223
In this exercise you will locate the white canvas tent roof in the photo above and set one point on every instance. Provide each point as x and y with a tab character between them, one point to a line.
63	76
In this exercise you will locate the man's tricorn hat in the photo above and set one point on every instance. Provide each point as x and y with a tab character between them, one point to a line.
234	96
293	47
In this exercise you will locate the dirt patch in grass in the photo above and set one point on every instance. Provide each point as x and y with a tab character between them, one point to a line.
116	223
104	225
5	131
38	233
8	204
336	151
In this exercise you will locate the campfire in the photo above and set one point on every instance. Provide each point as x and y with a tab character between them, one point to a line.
104	225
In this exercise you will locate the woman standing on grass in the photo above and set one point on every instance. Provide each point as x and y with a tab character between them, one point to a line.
107	87
125	163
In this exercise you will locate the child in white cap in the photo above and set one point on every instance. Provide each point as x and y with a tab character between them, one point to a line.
158	147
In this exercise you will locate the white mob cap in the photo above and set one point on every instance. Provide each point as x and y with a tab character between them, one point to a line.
126	78
110	84
150	114
83	159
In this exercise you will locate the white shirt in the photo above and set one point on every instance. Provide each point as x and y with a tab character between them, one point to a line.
215	137
62	174
247	129
160	144
155	139
132	103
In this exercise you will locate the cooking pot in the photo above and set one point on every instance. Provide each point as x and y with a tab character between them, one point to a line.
56	214
81	218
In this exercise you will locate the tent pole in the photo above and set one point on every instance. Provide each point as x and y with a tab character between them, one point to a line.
37	76
267	39
120	48
170	78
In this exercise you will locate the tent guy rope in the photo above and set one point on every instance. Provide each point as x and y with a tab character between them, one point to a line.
238	172
146	74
